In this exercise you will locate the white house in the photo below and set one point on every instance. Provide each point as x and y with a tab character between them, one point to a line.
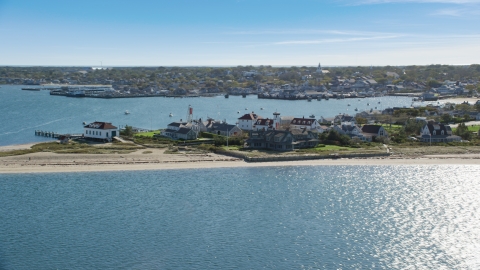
308	123
247	121
100	131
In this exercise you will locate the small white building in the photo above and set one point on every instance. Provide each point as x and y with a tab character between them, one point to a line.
100	131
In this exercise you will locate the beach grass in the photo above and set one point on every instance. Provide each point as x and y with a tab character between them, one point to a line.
75	148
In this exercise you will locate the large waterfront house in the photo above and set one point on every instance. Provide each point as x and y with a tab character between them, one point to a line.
436	132
247	120
180	130
264	124
101	131
222	128
371	132
307	123
353	131
282	140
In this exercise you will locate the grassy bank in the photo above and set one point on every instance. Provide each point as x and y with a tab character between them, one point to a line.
76	148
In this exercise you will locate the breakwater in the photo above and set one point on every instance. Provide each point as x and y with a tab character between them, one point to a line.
299	157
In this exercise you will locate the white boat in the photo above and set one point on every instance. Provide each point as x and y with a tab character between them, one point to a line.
170	115
127	112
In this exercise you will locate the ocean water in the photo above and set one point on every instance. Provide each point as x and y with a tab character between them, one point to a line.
305	217
23	112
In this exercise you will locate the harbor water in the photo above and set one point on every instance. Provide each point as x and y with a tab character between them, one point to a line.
305	217
23	112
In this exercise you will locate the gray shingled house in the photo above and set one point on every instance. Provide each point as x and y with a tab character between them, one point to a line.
282	140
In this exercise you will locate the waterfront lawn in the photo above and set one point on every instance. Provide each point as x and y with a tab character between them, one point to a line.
147	134
470	128
392	129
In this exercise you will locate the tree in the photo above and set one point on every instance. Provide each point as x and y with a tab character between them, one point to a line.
128	131
361	120
413	127
446	118
462	131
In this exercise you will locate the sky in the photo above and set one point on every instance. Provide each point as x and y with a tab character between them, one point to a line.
239	32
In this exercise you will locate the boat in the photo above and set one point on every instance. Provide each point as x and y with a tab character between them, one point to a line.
246	109
127	112
226	95
368	104
238	111
379	102
261	108
84	123
170	115
309	98
312	116
244	95
348	104
356	109
319	98
31	89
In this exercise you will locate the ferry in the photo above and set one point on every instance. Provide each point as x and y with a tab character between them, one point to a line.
31	89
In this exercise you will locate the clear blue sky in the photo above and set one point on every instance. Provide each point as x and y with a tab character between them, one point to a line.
239	32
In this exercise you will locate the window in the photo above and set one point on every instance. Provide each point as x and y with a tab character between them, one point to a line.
434	132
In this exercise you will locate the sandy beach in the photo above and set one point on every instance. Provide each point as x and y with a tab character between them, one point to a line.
46	162
459	100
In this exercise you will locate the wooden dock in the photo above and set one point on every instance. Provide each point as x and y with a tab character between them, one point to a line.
56	135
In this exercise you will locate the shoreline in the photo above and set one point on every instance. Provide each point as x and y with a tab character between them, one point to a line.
46	162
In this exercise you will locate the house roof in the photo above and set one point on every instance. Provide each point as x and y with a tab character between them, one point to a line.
348	118
250	116
264	122
184	130
303	121
101	125
373	129
222	126
177	124
438	128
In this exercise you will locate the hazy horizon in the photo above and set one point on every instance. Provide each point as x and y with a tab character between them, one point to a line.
226	33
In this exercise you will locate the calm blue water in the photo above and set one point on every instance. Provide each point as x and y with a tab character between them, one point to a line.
306	217
23	112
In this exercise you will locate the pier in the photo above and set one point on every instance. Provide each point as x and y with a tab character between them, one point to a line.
55	135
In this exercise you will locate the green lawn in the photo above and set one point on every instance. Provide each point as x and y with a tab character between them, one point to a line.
147	134
470	128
